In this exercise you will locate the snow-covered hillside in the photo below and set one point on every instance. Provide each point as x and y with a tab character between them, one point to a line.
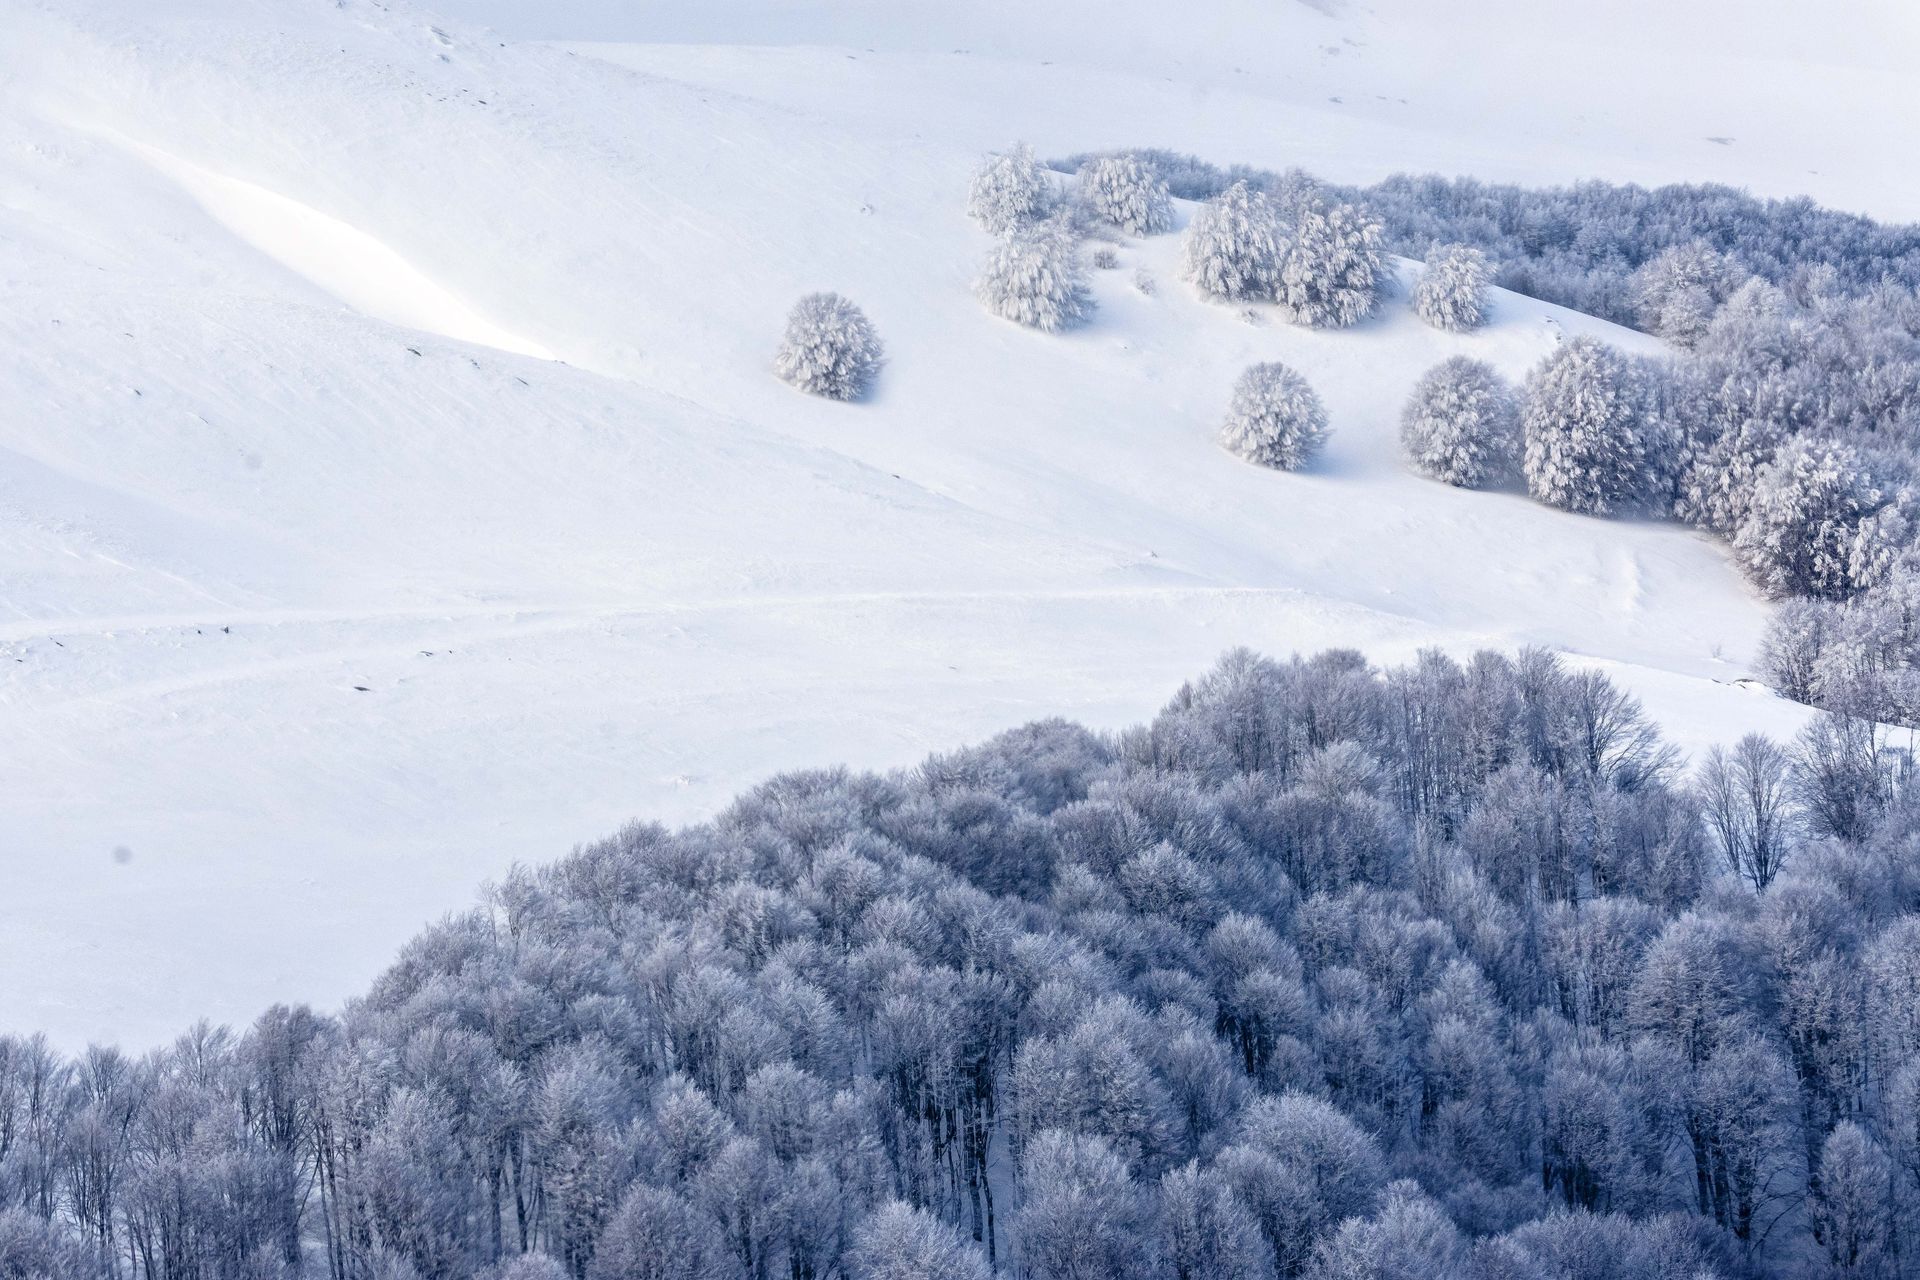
392	485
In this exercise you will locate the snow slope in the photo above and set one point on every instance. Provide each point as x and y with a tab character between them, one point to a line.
392	486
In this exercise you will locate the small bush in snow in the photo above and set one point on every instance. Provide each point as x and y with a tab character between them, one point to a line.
1009	191
1584	430
1452	293
1035	277
1235	245
1676	294
1275	418
830	348
1143	281
1105	258
1122	192
1461	425
1330	273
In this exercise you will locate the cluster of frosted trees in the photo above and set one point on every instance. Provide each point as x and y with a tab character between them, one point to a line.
1319	260
1327	973
1035	274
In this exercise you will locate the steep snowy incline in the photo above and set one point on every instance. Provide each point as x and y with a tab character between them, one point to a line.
335	579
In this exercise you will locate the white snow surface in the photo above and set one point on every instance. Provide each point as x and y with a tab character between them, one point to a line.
393	486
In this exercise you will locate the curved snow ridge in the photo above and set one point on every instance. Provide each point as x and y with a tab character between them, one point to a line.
339	258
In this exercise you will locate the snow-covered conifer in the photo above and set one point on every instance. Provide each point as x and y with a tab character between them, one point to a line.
1676	294
830	348
1804	528
1584	429
1275	419
1122	192
1452	292
1235	245
1009	191
1035	277
1461	425
1330	272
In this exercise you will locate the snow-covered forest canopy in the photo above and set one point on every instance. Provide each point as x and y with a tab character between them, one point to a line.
1449	970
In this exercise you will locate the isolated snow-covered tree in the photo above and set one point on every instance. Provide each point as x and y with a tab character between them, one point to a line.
1452	291
1274	419
1009	191
1035	277
1235	245
1584	430
1330	272
1677	293
1122	192
1461	425
830	348
1811	523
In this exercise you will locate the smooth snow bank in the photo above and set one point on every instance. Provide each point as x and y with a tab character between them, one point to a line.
343	260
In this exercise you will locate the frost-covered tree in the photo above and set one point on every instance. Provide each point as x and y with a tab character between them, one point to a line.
1274	418
1330	272
1585	430
1009	191
1120	191
1235	245
1746	800
1462	425
1035	277
900	1242
830	348
1452	291
1853	1212
1677	293
1810	528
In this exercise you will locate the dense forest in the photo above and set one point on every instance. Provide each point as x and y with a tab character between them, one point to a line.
1327	972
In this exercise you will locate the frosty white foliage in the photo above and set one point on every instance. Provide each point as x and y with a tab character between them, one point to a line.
1461	425
1452	292
1676	294
1584	426
1235	244
830	348
1009	191
1330	271
1275	419
1810	528
1122	192
1035	277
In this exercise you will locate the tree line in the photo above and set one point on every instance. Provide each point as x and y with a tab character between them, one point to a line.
1448	970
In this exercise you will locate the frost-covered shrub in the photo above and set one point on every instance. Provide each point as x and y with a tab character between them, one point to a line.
1035	277
1143	281
1452	292
830	348
1009	191
1330	272
1815	526
1676	294
1275	419
1584	426
1105	258
1461	425
1122	192
1235	245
